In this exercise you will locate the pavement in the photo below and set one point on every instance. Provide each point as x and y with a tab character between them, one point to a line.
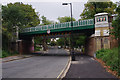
17	57
36	66
86	67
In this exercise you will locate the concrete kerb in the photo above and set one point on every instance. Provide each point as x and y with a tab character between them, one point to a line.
42	52
17	58
65	70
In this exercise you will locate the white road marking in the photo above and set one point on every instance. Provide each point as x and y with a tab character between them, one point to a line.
93	59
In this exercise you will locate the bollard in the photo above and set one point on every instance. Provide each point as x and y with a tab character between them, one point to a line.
73	56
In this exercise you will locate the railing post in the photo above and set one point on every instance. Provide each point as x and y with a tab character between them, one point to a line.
30	29
47	27
78	23
41	28
64	25
88	22
54	25
81	22
69	24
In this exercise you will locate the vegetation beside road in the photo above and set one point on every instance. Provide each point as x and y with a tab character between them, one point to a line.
110	57
92	8
37	48
15	17
7	53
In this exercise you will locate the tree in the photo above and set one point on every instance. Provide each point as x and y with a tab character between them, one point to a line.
92	8
77	40
65	19
116	24
20	15
17	15
43	40
45	21
52	43
64	41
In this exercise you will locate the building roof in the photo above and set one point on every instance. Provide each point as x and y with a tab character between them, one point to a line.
99	14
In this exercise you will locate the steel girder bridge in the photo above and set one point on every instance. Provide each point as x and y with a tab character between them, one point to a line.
82	26
86	27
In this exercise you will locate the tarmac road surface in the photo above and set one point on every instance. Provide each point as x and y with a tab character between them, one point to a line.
36	66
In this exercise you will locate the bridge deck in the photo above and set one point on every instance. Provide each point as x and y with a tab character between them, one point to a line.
77	25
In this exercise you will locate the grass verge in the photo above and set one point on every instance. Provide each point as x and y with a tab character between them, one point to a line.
7	53
110	58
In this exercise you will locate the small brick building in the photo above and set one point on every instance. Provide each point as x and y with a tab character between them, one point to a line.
101	38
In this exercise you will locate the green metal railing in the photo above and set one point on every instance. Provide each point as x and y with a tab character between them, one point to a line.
60	25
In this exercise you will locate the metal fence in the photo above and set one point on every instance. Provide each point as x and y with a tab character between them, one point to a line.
60	25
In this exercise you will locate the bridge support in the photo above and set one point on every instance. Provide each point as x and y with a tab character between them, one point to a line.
94	44
44	44
26	46
65	43
90	46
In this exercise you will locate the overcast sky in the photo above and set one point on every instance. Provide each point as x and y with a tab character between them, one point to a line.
53	9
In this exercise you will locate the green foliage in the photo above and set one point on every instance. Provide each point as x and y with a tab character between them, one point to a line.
110	57
37	48
79	40
116	28
92	8
19	14
63	41
53	43
116	24
65	19
45	21
100	53
6	53
16	14
38	40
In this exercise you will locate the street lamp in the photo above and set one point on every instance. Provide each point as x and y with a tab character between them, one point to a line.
71	12
71	41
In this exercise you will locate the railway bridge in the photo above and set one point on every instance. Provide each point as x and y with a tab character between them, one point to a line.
96	30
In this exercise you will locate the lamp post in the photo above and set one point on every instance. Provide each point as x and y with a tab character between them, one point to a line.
71	40
18	42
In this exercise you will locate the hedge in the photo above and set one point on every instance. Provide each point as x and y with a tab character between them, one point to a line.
110	57
7	53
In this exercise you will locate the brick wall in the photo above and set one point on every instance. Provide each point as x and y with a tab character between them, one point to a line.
90	46
26	46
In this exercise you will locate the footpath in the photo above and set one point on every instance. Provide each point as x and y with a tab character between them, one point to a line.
17	57
86	67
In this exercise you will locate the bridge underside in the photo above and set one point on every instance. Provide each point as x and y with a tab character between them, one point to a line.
27	43
53	34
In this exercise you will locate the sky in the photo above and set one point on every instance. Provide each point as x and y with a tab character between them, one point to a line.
52	9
